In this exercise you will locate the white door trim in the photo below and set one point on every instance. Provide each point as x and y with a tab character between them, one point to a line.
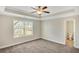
73	19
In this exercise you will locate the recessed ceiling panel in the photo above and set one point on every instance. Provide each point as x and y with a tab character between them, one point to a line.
28	10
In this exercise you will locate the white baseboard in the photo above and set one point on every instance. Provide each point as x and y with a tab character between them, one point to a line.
1	47
54	41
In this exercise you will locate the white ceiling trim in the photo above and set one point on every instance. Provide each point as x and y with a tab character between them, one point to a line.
17	15
18	11
66	13
56	15
22	12
3	12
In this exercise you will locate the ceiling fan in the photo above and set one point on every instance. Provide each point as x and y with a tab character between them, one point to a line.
40	10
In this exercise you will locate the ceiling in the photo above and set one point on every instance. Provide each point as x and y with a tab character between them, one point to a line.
28	10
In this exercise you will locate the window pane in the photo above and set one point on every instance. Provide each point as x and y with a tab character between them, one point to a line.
18	24
22	28
18	33
28	28
18	28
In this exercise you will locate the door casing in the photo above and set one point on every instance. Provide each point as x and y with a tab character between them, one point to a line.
65	31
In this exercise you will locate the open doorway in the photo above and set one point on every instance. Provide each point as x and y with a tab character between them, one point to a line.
69	33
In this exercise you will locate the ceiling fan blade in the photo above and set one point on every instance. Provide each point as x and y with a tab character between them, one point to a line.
33	12
33	8
46	11
44	7
39	7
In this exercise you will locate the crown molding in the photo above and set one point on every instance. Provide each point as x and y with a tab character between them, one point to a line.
60	14
17	15
3	12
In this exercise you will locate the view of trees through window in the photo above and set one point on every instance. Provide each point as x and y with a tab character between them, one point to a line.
22	28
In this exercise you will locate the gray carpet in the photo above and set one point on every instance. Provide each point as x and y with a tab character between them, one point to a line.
39	46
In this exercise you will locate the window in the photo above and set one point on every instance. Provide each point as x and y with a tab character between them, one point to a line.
22	28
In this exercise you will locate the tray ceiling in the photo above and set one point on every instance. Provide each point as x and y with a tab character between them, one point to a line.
28	10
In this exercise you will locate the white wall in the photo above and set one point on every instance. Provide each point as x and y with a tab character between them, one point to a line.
77	32
77	27
6	32
2	8
53	30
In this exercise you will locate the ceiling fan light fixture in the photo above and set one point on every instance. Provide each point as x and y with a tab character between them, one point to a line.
41	9
39	12
45	10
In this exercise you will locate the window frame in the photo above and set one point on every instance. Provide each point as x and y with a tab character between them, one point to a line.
24	27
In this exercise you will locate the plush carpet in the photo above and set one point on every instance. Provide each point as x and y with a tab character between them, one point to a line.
39	46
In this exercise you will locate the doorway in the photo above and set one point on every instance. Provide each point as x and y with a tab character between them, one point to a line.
69	33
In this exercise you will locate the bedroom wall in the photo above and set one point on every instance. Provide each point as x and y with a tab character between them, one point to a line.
77	32
54	29
6	31
77	26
